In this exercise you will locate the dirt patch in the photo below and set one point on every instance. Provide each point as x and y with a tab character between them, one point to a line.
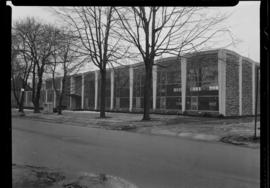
117	126
30	176
24	176
243	140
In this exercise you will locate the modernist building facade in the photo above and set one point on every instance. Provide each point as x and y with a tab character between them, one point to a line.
219	82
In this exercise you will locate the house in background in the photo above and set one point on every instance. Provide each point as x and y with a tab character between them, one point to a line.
16	86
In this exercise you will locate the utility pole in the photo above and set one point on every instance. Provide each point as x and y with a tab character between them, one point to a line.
256	103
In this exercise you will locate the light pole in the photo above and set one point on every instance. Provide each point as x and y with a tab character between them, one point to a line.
256	102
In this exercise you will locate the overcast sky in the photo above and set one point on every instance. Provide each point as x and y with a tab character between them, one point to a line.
244	23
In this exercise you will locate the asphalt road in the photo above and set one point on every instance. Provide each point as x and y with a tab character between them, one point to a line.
147	161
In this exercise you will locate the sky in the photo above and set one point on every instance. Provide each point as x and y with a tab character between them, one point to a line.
244	23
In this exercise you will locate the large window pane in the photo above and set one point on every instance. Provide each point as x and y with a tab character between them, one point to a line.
202	83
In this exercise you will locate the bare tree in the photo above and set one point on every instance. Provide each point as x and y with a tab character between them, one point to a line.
155	31
21	65
39	39
93	26
15	70
65	61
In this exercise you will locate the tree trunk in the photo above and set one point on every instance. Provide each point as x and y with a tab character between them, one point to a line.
102	93
34	84
59	108
147	92
21	102
15	92
36	104
37	97
62	93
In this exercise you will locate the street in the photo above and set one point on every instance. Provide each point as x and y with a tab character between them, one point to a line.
145	160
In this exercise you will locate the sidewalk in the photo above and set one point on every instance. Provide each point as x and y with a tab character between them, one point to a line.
227	130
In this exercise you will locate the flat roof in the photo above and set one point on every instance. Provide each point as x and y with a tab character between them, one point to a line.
187	55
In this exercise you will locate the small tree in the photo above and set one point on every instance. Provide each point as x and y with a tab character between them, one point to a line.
65	61
21	66
155	31
15	70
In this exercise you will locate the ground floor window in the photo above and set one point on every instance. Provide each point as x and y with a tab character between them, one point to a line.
173	103
121	102
138	102
203	103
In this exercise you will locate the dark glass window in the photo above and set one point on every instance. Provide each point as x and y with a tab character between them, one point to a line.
169	85
138	86
202	83
58	83
89	91
49	84
78	85
208	103
50	95
121	81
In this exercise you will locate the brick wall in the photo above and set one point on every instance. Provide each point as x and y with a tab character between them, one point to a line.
246	87
232	85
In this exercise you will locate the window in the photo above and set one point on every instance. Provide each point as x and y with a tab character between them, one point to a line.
176	89
121	81
169	89
213	87
195	89
202	83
